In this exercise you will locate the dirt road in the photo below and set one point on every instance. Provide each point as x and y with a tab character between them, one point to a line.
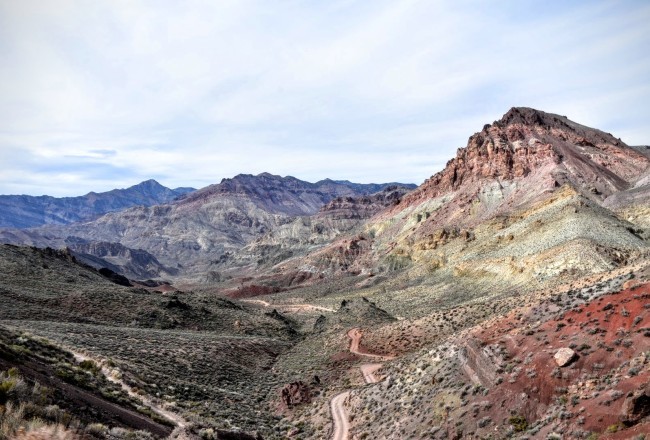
290	308
368	371
341	424
339	416
355	336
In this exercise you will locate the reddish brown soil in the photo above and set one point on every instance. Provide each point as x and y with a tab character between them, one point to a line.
610	335
250	291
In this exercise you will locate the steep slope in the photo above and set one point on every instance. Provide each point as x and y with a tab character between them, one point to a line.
202	356
505	379
132	263
633	204
526	154
306	233
78	395
21	211
50	285
524	201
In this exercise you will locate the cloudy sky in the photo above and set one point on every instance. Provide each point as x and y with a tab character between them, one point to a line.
98	94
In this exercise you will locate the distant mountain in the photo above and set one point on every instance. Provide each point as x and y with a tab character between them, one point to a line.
21	211
341	216
285	195
370	188
196	230
643	149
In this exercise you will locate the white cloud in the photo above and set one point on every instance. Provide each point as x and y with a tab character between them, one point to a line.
192	92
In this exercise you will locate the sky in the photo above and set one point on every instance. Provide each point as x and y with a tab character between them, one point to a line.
96	95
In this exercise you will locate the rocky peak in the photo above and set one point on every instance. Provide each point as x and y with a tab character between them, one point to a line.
524	115
525	141
150	183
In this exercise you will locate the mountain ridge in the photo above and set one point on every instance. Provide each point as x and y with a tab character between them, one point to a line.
195	229
523	141
528	165
23	211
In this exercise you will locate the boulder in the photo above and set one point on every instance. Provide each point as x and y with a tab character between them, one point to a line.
564	356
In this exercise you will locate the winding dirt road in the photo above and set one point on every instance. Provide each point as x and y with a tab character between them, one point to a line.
289	307
368	371
339	416
355	336
341	424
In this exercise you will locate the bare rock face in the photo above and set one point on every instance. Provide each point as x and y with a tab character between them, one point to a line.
564	356
296	393
363	207
527	140
636	406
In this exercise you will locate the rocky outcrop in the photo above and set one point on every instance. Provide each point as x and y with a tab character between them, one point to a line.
21	211
363	207
361	310
526	140
636	406
114	277
296	393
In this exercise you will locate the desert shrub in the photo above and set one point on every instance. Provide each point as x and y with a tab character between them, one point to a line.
125	434
89	365
47	432
613	428
519	423
97	430
5	388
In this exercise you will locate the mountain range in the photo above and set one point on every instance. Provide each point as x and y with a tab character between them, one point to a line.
505	297
21	211
195	229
